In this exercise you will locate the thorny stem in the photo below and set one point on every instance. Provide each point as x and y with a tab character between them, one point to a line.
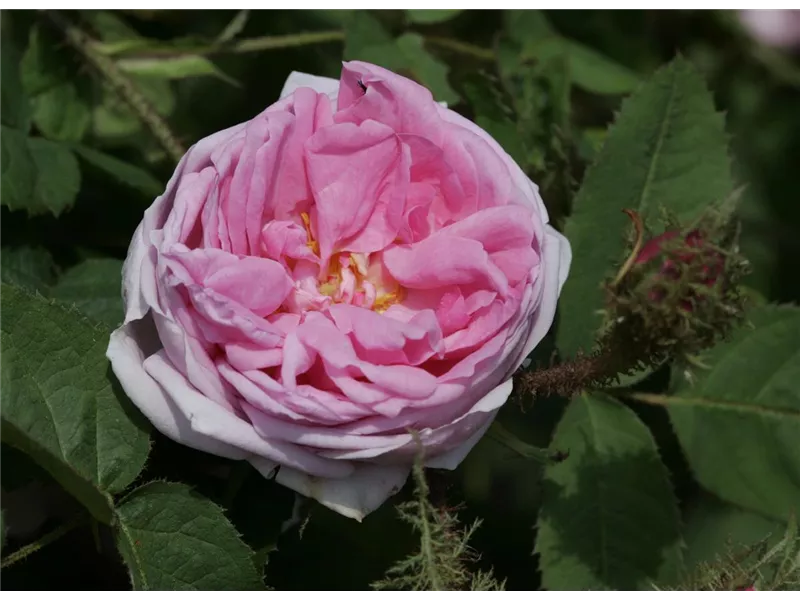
43	541
425	531
241	47
614	357
119	82
279	42
580	373
485	54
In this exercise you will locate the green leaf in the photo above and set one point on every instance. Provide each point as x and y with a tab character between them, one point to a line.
363	31
234	28
29	267
175	67
112	118
493	114
94	287
109	26
174	539
61	114
366	39
524	25
123	172
59	405
588	68
429	71
42	65
739	421
667	150
14	108
609	517
38	175
246	494
58	177
428	16
60	111
18	171
714	528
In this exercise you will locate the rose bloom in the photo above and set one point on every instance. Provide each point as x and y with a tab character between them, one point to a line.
777	28
354	266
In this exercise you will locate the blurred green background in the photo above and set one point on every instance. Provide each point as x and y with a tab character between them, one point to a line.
545	84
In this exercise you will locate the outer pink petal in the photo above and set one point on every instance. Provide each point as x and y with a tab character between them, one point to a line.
138	273
128	348
322	85
355	496
556	257
479	418
210	420
521	181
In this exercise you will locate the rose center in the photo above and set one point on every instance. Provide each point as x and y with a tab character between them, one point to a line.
353	278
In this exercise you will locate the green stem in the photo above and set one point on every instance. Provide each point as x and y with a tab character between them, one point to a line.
241	47
43	541
119	82
275	42
485	54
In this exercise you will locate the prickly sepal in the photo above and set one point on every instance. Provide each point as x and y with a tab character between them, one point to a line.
679	292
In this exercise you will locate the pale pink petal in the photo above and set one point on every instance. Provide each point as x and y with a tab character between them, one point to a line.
356	496
482	414
396	101
210	420
323	85
383	340
443	260
128	348
557	257
258	284
359	177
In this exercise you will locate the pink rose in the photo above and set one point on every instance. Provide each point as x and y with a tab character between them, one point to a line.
354	263
778	28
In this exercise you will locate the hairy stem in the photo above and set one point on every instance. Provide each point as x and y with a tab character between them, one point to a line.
275	42
615	357
485	54
426	540
43	541
119	82
242	46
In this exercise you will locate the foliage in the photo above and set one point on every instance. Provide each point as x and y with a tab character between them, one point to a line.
647	445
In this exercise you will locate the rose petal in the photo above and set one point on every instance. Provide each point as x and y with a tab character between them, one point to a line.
128	348
355	496
484	411
210	420
323	85
359	176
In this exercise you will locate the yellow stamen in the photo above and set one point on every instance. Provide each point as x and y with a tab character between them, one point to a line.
329	288
311	243
384	301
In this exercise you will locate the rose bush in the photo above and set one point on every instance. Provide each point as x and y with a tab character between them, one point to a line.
355	263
